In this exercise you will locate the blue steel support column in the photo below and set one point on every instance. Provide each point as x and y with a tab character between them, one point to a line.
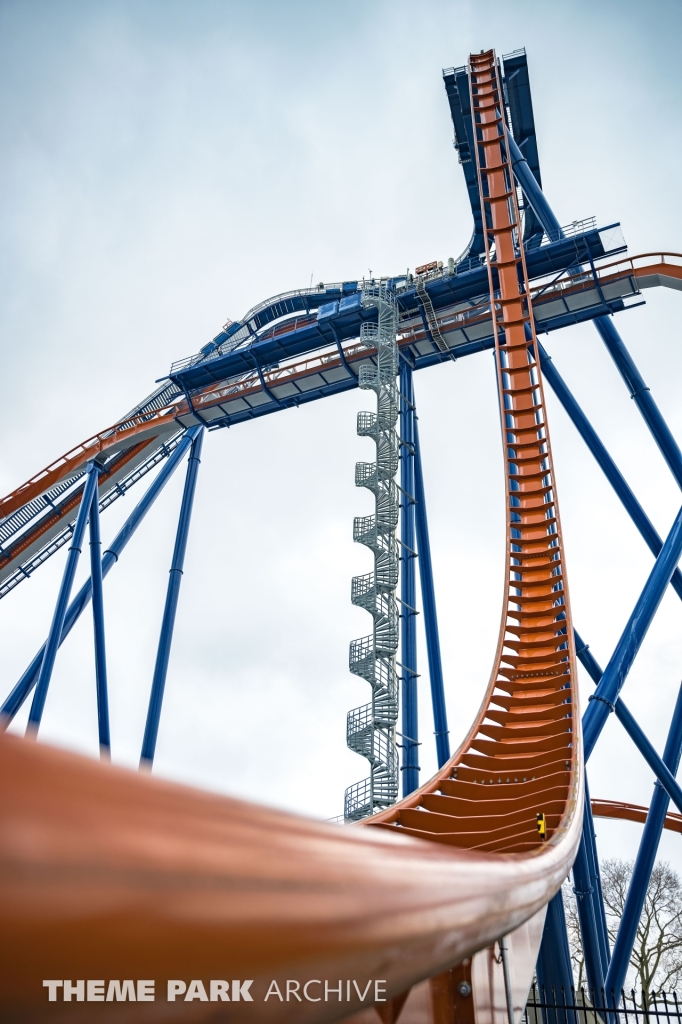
588	842
440	719
646	857
173	592
604	698
55	633
533	192
634	731
588	912
611	471
587	889
98	628
589	882
641	395
554	969
408	590
586	658
27	681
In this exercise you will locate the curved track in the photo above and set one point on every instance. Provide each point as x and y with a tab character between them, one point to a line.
111	874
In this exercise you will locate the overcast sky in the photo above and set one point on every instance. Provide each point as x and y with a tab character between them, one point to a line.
167	164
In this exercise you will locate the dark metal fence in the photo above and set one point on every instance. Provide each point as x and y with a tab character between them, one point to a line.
583	1006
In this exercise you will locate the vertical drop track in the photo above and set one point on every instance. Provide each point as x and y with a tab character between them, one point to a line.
514	785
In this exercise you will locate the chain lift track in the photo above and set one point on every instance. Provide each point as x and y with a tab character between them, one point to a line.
370	729
447	895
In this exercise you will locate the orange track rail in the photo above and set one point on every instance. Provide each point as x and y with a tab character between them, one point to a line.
632	812
106	873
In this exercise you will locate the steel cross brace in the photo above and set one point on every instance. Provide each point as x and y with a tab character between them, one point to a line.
666	787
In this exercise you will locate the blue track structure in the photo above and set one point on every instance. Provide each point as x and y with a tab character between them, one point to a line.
428	593
313	343
54	636
151	731
333	315
98	626
516	84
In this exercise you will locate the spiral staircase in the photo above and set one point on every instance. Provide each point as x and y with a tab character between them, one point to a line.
370	729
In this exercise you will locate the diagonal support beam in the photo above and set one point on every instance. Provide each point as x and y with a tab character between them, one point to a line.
408	591
440	718
641	395
603	700
533	192
98	629
590	903
23	688
648	752
658	766
52	645
646	857
172	594
606	463
554	968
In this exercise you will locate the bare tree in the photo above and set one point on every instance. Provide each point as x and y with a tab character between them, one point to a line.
574	940
656	961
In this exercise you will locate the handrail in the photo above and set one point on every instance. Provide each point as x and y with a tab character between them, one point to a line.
633	264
